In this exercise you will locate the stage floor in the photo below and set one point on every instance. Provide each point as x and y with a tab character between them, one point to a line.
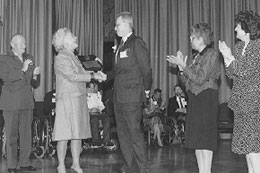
167	159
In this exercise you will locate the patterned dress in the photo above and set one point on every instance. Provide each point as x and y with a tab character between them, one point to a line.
245	97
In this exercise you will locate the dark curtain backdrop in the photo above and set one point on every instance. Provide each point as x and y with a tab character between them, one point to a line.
37	20
165	27
163	24
85	19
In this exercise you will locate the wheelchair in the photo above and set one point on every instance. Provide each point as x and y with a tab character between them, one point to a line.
41	138
42	130
87	143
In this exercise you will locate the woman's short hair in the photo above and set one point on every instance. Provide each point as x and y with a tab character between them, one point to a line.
203	30
250	23
59	38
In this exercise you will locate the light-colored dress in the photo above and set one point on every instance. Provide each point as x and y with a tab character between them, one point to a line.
72	116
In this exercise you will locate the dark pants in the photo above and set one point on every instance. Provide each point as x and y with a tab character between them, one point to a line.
94	121
131	137
18	124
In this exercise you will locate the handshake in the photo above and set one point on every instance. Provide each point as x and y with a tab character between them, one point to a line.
99	76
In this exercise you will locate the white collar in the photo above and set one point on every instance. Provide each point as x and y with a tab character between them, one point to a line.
126	36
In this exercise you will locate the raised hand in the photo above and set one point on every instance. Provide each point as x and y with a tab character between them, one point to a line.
26	64
179	60
226	52
36	71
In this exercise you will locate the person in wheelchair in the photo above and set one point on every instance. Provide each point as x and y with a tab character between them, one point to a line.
98	112
153	112
176	109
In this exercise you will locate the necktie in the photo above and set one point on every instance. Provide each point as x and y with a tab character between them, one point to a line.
119	47
180	104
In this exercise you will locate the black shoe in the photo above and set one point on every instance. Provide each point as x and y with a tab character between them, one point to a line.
96	145
111	146
12	170
27	168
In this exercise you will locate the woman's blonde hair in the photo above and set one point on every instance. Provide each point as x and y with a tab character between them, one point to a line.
59	38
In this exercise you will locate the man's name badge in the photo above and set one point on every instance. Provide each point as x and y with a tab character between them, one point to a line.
123	54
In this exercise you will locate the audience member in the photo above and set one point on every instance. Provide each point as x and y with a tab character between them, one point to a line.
177	104
72	118
97	113
243	67
153	112
19	75
176	111
201	74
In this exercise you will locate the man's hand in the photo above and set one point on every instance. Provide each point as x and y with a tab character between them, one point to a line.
182	110
26	64
36	71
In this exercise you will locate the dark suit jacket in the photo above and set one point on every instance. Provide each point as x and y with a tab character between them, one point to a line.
17	86
172	107
132	72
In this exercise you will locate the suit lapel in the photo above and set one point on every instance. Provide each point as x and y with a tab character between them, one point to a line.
125	45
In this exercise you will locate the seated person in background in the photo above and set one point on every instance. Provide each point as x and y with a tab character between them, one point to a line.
153	112
97	112
177	104
176	109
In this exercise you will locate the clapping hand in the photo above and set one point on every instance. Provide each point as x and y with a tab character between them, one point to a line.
179	60
26	64
36	71
147	93
226	52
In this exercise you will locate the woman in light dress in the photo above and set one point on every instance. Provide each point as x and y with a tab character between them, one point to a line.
72	116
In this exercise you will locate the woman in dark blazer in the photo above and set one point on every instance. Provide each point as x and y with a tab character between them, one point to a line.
201	75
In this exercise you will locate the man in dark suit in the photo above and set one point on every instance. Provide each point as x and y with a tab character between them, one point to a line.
19	75
132	77
177	104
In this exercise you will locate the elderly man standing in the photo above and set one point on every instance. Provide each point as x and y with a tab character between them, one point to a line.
19	75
